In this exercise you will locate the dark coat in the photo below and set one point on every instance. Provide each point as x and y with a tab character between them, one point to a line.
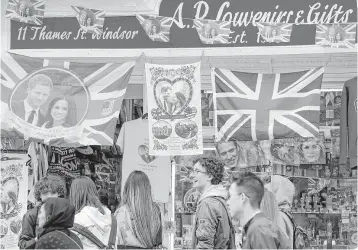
60	214
28	230
18	108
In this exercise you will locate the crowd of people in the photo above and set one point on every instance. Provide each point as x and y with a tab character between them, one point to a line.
76	218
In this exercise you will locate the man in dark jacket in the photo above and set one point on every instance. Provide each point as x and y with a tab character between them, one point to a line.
49	186
213	228
259	232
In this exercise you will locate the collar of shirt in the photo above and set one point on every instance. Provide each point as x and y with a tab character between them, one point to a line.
28	108
248	222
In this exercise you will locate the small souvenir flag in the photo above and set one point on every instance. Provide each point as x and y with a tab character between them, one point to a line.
213	32
90	20
156	27
26	11
275	33
336	35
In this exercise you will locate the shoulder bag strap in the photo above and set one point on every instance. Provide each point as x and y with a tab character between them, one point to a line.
113	234
79	247
88	234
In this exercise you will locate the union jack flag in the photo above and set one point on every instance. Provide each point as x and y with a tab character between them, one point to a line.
213	32
251	106
90	85
156	27
336	35
107	107
277	33
90	20
26	11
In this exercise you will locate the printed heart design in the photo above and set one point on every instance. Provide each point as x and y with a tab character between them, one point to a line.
173	96
143	151
15	226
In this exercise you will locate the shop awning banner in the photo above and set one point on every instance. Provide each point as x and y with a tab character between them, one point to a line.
213	32
156	27
26	11
125	32
90	20
174	109
255	106
13	197
336	35
59	102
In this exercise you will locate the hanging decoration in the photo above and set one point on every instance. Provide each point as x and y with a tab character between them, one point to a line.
69	104
13	197
275	33
156	27
90	20
213	32
252	106
26	11
336	35
174	104
312	150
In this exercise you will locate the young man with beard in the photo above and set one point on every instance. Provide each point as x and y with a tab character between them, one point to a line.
259	232
213	228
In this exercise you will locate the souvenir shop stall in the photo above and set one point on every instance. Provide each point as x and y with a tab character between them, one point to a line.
151	84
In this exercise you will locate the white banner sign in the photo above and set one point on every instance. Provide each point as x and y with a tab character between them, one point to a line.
174	109
13	198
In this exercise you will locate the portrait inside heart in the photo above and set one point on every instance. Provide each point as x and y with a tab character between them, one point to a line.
173	96
143	151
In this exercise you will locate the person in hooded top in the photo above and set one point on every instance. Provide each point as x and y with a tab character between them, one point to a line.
90	212
56	217
212	228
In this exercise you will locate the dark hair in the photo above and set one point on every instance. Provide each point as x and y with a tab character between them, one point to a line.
50	184
336	98
71	119
165	88
252	186
213	166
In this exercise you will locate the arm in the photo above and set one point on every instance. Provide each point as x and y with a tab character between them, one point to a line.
207	222
27	235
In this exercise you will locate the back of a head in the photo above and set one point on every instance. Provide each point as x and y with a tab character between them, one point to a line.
269	206
283	189
137	196
83	193
252	186
59	213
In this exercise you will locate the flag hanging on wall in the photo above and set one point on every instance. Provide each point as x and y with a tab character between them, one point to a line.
336	35
213	32
65	102
156	27
252	106
174	109
90	20
26	11
275	33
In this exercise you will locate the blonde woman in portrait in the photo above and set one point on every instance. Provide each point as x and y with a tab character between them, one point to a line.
138	218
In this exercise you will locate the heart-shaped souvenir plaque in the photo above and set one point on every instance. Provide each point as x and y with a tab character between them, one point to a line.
173	96
15	226
143	151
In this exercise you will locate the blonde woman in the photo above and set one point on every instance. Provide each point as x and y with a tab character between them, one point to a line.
91	215
269	206
138	218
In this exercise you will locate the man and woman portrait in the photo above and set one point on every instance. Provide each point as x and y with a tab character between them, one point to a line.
171	101
61	110
85	19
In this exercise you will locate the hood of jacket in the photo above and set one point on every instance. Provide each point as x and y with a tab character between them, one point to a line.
91	217
60	213
215	191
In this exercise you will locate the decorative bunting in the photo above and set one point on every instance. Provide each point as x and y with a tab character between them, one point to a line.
26	11
66	103
336	35
275	33
90	20
213	32
156	27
